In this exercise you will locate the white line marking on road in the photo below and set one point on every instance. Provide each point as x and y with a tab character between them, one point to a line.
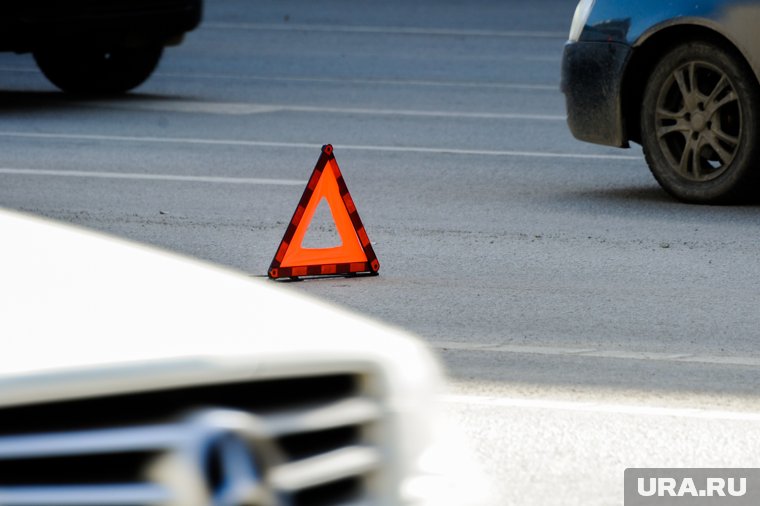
231	108
187	106
599	353
386	82
304	145
335	80
598	407
152	177
390	30
25	70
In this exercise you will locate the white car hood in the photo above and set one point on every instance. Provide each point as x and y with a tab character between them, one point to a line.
78	308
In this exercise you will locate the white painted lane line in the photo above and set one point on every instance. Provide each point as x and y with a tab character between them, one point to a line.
335	80
152	177
24	70
600	353
597	407
304	145
423	114
231	108
384	82
389	30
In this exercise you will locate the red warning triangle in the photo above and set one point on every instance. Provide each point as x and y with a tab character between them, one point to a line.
353	256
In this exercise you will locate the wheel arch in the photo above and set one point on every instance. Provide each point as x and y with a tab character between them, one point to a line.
646	54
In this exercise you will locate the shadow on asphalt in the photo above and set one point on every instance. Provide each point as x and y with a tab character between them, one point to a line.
568	373
647	195
18	101
654	196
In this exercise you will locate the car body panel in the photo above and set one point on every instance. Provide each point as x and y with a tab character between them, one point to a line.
82	314
27	26
592	87
736	20
87	316
613	23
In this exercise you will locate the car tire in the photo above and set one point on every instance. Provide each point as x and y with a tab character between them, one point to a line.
84	70
700	120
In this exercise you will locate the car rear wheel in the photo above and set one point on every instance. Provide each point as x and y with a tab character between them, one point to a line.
699	124
91	70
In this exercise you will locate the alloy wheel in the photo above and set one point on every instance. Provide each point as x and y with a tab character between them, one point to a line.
698	121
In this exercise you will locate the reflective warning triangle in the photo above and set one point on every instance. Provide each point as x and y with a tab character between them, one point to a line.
354	255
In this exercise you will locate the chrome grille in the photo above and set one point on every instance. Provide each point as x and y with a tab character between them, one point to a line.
293	442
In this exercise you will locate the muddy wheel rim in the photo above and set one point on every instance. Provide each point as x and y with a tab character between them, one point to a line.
698	121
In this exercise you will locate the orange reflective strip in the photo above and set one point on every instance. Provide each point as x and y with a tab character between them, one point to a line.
281	252
298	271
349	203
314	180
363	237
349	251
334	166
298	215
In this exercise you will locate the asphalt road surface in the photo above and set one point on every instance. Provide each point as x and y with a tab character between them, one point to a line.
588	322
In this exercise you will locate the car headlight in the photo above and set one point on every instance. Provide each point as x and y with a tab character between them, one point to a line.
582	12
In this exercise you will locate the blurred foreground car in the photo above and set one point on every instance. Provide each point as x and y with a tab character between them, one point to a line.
96	46
133	377
680	78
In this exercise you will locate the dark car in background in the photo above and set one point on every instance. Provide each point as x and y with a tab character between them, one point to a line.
681	79
96	46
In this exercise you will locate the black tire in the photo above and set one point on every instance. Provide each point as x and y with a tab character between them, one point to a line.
85	70
700	121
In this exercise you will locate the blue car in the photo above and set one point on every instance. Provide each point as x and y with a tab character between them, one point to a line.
681	78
